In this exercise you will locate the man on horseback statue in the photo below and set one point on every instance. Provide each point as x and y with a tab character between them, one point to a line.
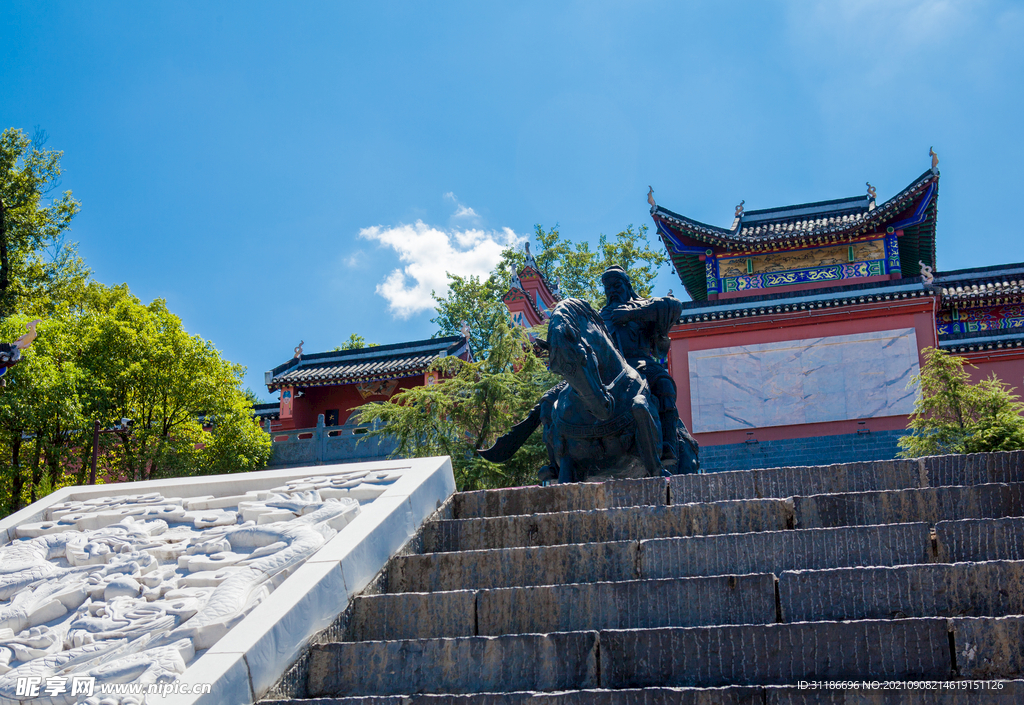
640	329
614	414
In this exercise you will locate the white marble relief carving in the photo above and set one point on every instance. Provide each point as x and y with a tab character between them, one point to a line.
133	588
834	378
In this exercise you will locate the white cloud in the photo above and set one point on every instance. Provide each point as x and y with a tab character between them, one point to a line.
465	212
355	259
429	253
462	212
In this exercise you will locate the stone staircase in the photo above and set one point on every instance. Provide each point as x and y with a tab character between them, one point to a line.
733	587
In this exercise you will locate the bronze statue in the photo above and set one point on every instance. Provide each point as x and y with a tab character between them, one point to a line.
607	418
640	330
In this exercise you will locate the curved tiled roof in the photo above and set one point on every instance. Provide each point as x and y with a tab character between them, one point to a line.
982	286
794	226
364	364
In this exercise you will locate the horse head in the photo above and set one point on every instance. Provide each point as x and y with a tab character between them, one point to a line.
578	341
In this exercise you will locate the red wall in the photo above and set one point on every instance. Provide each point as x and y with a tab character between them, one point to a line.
1008	366
317	400
864	318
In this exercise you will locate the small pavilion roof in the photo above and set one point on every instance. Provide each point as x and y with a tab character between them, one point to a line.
365	364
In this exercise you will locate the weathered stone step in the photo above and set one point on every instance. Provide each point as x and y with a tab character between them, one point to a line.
722	554
621	524
906	649
776	551
560	498
637	604
937	471
728	517
980	540
935	504
508	567
1006	692
989	589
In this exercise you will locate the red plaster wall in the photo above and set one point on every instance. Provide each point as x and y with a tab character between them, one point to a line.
1007	366
345	398
865	318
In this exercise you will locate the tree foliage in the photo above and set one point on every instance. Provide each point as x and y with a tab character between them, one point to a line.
355	342
108	357
38	269
101	355
468	409
575	267
952	415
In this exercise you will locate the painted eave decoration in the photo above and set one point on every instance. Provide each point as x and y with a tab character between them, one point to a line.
697	312
912	212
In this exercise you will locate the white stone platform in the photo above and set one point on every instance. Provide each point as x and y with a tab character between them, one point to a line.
217	580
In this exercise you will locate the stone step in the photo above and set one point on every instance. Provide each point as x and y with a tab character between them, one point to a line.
508	567
621	524
765	552
773	654
989	589
1006	692
937	471
985	589
980	540
776	551
560	498
637	604
727	517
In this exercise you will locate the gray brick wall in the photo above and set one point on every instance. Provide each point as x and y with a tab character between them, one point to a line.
817	450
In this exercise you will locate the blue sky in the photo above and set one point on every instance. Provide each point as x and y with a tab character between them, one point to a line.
302	171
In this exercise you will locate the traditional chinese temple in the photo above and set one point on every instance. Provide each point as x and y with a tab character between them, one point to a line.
807	323
335	383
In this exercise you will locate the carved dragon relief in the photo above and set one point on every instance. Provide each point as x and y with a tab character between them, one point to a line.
129	588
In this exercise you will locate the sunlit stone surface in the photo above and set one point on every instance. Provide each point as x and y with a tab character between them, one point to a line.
134	588
840	377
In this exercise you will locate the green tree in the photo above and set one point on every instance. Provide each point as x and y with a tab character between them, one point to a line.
109	357
38	269
355	342
952	415
42	418
575	266
147	368
468	409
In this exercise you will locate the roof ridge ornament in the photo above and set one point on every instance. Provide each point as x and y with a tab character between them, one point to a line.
935	160
530	261
872	193
926	272
739	209
298	350
650	198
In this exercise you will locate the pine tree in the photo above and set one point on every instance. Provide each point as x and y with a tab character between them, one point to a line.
952	415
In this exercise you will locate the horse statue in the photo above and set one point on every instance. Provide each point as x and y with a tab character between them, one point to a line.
601	422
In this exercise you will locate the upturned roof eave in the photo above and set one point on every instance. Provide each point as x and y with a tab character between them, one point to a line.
730	238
